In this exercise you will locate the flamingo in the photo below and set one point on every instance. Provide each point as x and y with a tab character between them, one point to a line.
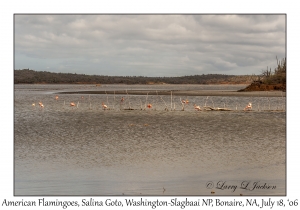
249	106
185	101
33	104
197	107
56	97
41	104
72	104
149	106
104	106
122	99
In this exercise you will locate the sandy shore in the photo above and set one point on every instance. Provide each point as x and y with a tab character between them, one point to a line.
187	93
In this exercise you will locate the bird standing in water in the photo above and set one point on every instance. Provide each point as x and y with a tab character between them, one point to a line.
198	108
104	106
41	104
185	101
249	106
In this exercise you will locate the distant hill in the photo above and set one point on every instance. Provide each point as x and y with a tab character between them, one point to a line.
26	76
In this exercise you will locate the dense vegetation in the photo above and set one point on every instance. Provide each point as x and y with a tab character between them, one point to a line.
36	77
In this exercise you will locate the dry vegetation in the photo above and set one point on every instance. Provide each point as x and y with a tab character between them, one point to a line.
269	80
27	76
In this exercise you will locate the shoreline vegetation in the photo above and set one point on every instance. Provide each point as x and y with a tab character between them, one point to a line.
267	81
27	76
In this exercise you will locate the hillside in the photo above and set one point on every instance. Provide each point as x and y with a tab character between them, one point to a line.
27	76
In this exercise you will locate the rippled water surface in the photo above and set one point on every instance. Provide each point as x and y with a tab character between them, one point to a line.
63	150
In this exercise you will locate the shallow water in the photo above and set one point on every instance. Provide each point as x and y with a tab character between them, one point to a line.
63	150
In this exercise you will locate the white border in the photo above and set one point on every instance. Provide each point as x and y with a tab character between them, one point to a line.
8	8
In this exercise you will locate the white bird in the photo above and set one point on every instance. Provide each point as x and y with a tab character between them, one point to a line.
198	108
249	106
185	101
33	104
104	106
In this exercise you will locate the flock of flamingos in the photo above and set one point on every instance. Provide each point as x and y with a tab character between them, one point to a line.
149	105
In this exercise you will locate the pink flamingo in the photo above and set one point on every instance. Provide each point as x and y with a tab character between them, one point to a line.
249	106
198	108
41	104
104	106
149	106
185	101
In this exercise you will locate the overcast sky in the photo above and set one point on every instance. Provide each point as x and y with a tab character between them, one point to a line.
149	45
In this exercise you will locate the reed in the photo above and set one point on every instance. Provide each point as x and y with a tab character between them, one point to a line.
206	101
269	101
141	104
212	102
146	101
171	100
225	103
128	99
90	102
106	98
174	104
114	100
182	104
283	101
258	108
166	106
156	102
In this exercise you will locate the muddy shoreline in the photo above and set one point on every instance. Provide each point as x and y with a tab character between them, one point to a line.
185	93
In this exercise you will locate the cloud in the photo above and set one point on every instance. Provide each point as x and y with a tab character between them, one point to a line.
149	45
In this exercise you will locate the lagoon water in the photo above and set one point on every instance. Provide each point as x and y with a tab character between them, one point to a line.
63	150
